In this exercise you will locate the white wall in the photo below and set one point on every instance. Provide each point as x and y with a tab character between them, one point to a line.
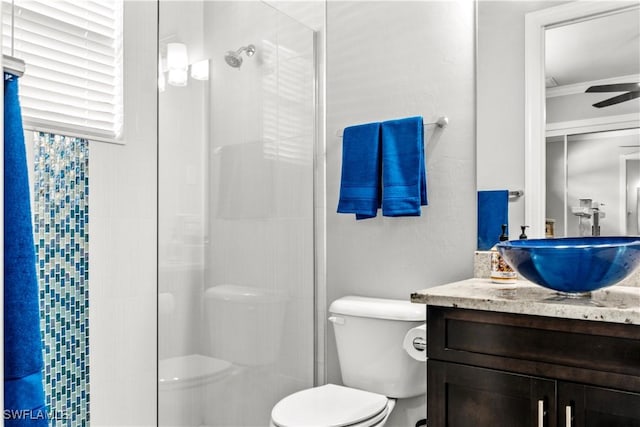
500	99
123	250
388	60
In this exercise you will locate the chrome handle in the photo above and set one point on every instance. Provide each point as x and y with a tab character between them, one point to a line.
568	417
420	344
540	413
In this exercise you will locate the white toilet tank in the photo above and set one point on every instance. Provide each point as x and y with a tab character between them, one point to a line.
245	323
369	334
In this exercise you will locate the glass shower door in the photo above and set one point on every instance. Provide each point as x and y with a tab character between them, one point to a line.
236	227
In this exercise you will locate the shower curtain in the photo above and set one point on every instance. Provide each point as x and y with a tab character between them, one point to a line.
23	387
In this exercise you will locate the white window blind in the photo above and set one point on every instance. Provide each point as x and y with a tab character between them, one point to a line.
73	54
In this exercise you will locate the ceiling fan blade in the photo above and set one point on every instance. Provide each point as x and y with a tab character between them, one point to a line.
618	87
618	99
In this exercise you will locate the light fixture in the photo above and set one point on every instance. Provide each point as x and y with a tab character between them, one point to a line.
174	68
200	70
177	77
177	63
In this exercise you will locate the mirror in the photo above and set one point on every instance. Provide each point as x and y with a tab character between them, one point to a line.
568	49
592	75
592	182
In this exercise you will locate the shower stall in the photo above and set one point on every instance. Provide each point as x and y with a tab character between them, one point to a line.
237	140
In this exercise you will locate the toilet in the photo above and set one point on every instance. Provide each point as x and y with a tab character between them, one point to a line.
244	327
181	381
376	370
190	385
234	311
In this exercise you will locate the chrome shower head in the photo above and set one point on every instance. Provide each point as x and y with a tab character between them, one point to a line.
234	58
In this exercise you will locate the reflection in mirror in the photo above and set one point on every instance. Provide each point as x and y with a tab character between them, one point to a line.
592	79
593	181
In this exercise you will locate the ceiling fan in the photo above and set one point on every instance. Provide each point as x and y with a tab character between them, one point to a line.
632	92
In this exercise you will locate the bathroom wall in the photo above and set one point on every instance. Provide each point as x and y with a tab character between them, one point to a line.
388	60
123	250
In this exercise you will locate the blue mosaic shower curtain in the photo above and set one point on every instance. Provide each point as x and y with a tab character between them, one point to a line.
61	220
23	388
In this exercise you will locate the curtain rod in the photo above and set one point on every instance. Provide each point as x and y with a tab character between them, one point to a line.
13	65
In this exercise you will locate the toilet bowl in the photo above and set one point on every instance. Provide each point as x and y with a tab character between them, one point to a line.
376	370
181	383
193	387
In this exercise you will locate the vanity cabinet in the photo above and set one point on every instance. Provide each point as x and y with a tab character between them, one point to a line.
487	368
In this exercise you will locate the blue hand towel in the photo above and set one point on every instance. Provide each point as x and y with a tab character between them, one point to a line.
360	188
23	388
493	211
403	168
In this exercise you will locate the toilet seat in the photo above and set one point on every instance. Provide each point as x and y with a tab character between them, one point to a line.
330	406
190	370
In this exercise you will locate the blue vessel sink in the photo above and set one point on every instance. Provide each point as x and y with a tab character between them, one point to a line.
573	264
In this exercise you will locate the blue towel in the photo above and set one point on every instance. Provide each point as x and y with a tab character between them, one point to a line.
360	189
23	388
403	168
493	211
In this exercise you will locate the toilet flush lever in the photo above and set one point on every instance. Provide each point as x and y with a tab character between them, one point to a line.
336	320
420	344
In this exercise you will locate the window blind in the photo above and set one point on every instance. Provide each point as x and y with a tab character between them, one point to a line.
73	54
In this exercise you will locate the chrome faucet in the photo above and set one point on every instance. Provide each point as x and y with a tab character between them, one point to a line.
597	215
589	215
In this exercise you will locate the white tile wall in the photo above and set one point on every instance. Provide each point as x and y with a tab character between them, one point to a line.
123	244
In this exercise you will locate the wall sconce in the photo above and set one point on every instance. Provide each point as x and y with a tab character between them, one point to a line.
177	63
200	70
174	69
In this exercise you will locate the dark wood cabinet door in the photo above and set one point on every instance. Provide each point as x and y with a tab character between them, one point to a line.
463	396
587	406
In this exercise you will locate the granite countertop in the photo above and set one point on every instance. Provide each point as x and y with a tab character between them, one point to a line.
616	304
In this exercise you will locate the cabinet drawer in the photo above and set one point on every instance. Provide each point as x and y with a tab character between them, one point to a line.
595	352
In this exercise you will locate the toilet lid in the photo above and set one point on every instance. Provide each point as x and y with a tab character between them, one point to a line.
329	405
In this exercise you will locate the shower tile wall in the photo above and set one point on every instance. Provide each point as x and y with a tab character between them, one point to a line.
61	216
